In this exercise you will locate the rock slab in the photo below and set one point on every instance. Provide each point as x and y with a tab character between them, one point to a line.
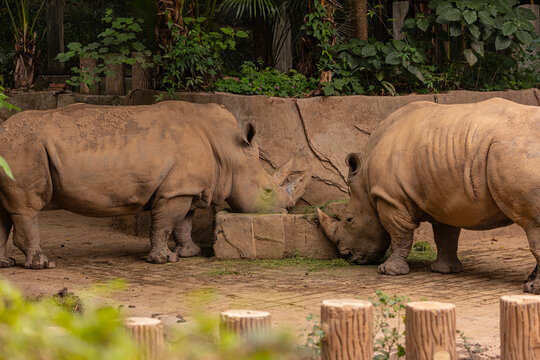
269	236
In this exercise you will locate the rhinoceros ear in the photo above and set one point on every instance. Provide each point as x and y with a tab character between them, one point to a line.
354	162
248	133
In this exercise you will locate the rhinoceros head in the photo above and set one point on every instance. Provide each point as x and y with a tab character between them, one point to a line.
359	234
256	191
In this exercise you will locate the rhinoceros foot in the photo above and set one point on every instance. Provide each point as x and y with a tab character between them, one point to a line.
394	266
447	266
532	287
7	262
187	250
38	261
161	256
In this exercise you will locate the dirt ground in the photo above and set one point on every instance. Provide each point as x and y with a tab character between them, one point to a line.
88	250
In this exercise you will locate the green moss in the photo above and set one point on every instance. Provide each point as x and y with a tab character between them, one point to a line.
306	210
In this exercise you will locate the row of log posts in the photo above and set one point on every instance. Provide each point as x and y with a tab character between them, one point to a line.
430	329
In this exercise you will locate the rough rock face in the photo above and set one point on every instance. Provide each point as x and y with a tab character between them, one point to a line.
271	236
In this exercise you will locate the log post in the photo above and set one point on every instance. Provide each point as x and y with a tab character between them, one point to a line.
141	76
348	328
520	327
148	333
114	75
246	324
430	331
87	67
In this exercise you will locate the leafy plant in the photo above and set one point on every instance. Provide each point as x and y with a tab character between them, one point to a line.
471	349
312	346
269	81
389	339
478	44
117	44
194	59
26	52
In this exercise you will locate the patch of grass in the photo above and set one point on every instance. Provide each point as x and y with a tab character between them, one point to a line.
421	252
221	272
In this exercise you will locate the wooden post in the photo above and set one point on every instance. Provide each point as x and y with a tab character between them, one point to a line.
88	65
148	333
114	77
430	331
246	324
55	35
348	328
141	78
520	327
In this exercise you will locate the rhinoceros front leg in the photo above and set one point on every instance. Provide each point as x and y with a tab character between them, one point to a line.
446	238
26	238
533	284
165	214
185	247
401	234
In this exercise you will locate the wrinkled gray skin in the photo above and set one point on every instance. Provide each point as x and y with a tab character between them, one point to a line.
170	158
474	166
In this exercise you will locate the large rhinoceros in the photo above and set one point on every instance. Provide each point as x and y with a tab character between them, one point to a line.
474	166
170	158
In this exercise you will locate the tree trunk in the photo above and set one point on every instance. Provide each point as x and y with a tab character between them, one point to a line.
55	35
348	328
430	331
114	78
87	67
141	78
361	19
148	334
246	324
25	70
520	327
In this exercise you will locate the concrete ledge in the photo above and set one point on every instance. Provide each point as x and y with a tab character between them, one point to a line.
269	236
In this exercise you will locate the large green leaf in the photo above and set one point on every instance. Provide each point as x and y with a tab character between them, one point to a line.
475	31
416	72
454	30
486	18
393	58
422	23
369	50
509	28
470	16
524	36
470	57
478	47
4	165
502	42
398	44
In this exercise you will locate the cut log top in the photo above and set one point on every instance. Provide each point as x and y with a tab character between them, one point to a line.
521	299
245	314
430	305
345	303
141	321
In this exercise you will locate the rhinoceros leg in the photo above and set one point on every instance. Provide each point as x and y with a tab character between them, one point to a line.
446	238
401	234
26	238
5	228
185	247
533	284
165	214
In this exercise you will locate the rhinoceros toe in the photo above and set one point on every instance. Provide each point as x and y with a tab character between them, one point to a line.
38	261
394	267
7	262
161	256
187	250
532	287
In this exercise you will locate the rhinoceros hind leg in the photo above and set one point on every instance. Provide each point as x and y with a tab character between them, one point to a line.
446	238
5	228
185	247
166	213
533	284
26	238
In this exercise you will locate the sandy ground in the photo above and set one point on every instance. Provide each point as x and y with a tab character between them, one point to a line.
88	251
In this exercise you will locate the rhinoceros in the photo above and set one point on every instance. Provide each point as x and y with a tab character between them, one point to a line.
474	166
170	158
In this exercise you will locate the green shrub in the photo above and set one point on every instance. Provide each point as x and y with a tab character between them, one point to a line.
475	44
194	59
269	81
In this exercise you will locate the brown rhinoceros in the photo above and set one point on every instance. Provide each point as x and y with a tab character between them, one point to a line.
170	158
474	166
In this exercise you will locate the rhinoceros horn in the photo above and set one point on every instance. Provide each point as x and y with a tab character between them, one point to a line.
296	188
283	172
328	224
